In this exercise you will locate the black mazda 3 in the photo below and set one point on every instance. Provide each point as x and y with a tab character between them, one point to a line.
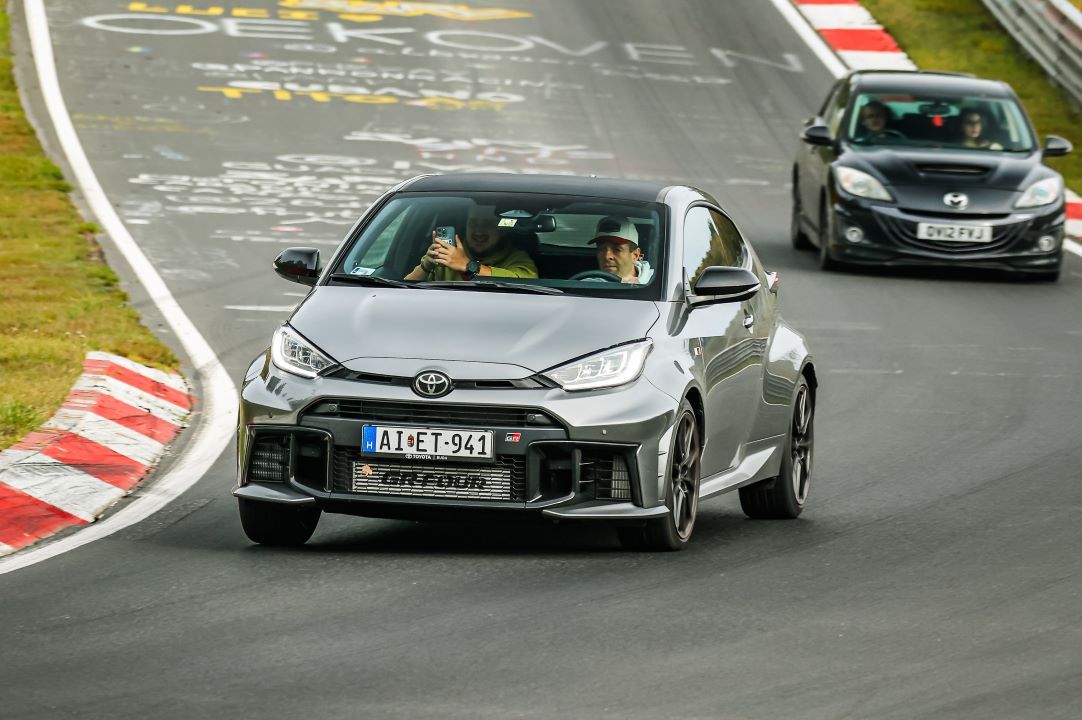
928	169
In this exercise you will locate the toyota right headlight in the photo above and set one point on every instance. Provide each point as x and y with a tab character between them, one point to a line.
294	354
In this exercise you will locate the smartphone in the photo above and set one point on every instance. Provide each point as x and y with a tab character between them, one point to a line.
446	233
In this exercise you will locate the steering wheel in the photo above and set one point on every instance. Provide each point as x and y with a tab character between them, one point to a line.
891	132
596	275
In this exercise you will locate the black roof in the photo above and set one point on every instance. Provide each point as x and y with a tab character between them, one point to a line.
931	82
637	190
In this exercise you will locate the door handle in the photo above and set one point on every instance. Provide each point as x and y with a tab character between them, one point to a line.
749	320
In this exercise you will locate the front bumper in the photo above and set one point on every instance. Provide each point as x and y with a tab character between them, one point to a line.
889	238
559	455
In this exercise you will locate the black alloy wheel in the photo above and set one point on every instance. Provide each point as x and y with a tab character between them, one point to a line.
673	531
784	496
277	524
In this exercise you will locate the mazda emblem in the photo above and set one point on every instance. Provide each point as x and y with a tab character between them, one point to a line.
432	384
956	200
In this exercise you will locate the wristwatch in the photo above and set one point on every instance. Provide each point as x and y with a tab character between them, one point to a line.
472	268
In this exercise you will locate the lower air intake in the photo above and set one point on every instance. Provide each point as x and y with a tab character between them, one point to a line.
269	461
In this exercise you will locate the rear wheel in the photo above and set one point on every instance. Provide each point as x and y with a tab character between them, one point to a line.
784	496
673	531
277	524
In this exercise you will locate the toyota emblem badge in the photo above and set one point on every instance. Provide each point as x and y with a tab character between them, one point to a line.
956	200
432	384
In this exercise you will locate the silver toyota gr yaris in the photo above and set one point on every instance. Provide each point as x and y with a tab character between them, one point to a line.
529	346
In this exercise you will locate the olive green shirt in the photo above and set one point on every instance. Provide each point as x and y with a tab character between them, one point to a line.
512	262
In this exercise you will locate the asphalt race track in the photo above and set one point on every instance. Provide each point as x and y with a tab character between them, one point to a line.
936	572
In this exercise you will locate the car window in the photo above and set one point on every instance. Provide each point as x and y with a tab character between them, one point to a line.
710	239
927	120
836	110
579	245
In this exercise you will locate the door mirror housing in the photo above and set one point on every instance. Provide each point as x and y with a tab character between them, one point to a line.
1055	146
817	134
725	284
298	264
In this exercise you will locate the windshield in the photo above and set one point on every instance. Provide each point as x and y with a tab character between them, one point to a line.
518	242
956	122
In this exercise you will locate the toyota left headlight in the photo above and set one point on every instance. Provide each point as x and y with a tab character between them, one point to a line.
606	369
1042	192
859	183
294	354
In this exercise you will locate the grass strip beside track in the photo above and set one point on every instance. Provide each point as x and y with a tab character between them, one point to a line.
58	299
963	36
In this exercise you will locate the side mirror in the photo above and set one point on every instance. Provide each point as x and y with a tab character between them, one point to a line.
817	135
726	284
1055	146
299	265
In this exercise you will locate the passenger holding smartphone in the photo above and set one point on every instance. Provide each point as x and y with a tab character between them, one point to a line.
486	252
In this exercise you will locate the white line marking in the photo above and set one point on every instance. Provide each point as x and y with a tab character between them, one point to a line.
70	489
6	549
172	380
812	39
218	417
868	60
1073	247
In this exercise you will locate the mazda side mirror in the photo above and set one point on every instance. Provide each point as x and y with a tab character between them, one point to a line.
299	265
1055	146
817	135
725	284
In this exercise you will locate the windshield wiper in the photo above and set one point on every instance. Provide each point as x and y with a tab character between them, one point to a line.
370	280
492	285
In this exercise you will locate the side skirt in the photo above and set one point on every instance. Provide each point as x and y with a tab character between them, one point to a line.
761	460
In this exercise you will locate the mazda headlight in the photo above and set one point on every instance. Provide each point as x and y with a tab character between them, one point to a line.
861	184
294	354
608	368
1042	192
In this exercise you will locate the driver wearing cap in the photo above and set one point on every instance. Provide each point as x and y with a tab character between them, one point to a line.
618	252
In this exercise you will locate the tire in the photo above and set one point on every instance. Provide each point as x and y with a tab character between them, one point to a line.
784	496
277	524
826	232
797	236
673	531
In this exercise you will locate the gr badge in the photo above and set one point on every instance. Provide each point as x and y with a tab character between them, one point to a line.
513	437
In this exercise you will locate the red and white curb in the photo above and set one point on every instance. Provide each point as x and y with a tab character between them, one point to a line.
862	44
108	435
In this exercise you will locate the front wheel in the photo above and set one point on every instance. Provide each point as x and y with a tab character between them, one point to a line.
673	531
826	234
277	524
784	496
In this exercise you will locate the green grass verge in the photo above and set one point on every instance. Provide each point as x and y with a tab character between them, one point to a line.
962	35
58	299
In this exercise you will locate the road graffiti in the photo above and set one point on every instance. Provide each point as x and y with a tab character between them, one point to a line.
351	10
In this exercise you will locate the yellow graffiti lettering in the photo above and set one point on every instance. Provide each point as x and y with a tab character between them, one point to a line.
230	92
257	13
355	17
144	7
191	10
436	103
407	9
369	99
296	14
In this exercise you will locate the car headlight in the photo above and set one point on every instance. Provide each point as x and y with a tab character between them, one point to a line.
1042	192
294	354
608	368
861	184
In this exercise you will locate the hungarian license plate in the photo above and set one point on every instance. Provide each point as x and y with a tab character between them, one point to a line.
954	233
421	443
